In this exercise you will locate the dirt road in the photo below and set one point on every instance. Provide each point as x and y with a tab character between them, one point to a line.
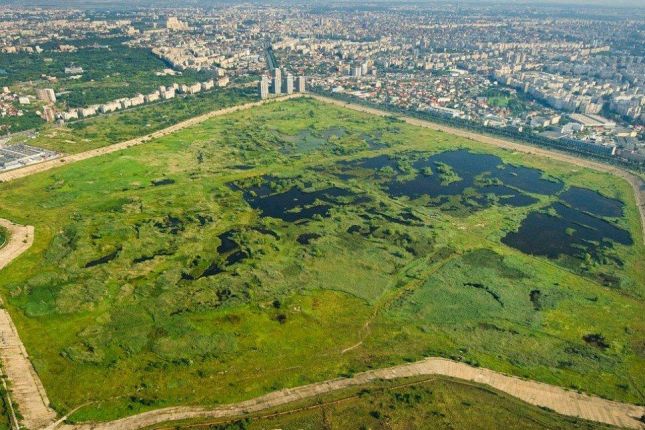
638	185
558	399
51	164
26	389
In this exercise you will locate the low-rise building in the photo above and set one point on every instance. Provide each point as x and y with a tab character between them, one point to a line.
222	82
88	111
73	70
168	94
152	97
137	100
47	95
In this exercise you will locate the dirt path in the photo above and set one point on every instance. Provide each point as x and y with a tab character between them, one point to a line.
26	389
51	164
638	185
562	401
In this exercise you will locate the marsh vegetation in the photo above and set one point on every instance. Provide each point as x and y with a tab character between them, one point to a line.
409	403
247	253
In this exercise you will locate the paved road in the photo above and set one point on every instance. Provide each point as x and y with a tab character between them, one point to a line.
637	184
26	389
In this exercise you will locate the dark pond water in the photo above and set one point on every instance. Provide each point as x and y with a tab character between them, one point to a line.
526	179
592	202
307	238
294	204
162	181
469	167
572	233
303	142
103	260
483	179
227	244
212	270
235	257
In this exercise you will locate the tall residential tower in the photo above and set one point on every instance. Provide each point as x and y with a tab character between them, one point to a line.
277	81
264	87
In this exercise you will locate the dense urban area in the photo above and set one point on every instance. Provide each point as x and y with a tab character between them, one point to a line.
547	72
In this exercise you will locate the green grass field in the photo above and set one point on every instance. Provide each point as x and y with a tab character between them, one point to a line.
105	130
404	404
498	101
248	253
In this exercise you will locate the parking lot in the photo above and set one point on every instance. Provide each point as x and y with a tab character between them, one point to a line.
15	156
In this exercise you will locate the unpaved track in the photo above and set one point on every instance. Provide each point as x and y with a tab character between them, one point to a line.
51	164
26	389
637	183
558	399
32	400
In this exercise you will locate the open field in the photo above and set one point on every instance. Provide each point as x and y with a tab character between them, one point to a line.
402	404
109	129
299	242
108	149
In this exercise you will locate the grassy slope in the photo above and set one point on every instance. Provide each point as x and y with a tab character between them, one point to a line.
407	404
140	337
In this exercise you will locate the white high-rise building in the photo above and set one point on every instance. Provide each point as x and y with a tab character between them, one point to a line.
264	87
288	83
300	84
277	81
